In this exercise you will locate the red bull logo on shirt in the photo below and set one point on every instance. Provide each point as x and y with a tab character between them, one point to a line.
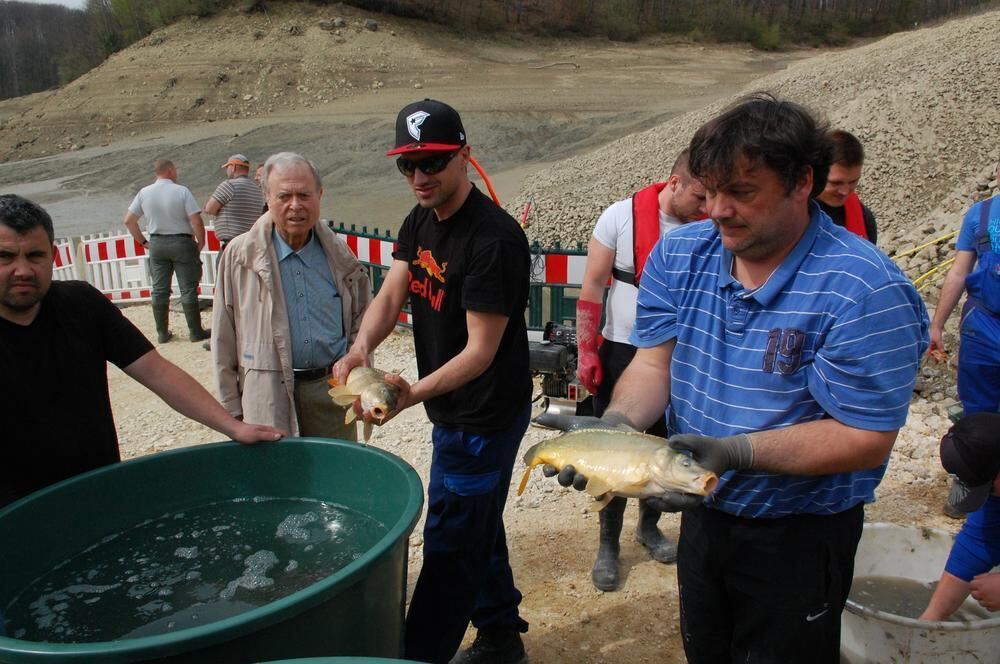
426	260
426	288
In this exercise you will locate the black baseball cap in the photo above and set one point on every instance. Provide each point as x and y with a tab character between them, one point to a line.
428	125
971	452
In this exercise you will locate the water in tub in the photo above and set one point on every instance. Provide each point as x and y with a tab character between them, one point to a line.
190	568
907	598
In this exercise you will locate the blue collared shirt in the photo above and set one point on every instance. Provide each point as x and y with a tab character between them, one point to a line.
836	331
315	313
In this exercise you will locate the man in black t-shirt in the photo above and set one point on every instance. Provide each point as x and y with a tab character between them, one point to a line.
55	341
464	263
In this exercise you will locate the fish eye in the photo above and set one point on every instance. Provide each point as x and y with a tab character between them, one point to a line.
685	461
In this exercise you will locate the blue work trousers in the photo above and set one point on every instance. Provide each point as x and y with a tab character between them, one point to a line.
979	362
466	573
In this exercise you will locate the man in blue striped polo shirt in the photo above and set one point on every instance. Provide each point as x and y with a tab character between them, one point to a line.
787	349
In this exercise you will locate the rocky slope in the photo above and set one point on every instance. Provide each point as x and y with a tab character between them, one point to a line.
925	104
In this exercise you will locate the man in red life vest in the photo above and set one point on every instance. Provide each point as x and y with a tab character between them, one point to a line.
838	200
624	236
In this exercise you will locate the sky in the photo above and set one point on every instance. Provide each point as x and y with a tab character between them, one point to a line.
75	4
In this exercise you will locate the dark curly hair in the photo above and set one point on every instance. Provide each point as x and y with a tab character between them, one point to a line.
23	215
781	134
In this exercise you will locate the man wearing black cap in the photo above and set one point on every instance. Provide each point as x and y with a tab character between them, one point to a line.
971	452
464	263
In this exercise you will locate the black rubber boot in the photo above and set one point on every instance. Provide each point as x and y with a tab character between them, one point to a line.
605	573
494	645
161	318
660	548
192	314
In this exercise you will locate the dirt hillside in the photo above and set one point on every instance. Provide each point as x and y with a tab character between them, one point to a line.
327	82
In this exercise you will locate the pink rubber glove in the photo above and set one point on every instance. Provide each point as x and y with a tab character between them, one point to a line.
588	365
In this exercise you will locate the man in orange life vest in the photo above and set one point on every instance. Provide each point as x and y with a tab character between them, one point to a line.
624	236
838	199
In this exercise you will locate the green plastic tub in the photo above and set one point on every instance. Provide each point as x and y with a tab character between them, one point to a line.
357	611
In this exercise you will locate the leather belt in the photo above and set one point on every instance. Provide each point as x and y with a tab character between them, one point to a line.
311	374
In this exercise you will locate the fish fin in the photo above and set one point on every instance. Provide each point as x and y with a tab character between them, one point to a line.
600	503
597	488
524	480
350	416
367	431
342	396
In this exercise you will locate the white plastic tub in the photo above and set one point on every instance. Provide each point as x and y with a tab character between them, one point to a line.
870	636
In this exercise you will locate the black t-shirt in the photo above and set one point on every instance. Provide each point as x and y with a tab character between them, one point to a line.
839	216
477	260
54	401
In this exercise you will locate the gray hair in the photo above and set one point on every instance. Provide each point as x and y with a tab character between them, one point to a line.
283	161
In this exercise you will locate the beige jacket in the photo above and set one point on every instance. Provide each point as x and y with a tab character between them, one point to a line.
251	348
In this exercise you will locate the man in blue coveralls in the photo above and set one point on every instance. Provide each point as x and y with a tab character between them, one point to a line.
974	269
787	349
971	452
977	261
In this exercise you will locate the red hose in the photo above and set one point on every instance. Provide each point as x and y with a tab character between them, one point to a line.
486	179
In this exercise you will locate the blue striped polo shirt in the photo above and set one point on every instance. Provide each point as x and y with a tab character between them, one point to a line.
836	331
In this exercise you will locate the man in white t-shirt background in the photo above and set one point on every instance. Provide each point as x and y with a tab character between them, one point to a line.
624	236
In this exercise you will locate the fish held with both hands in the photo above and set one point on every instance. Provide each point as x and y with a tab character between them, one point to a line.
621	463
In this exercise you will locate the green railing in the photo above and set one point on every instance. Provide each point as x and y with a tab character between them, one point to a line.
546	301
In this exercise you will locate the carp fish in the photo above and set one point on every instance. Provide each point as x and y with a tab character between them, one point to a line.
621	463
378	396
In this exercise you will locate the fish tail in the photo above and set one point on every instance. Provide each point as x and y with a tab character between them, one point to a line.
524	480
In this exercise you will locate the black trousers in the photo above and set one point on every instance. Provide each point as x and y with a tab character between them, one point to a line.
760	591
614	358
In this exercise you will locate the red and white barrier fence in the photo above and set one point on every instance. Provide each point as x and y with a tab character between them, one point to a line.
557	269
119	267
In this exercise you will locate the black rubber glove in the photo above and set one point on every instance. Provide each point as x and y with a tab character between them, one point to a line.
610	420
567	476
716	454
674	502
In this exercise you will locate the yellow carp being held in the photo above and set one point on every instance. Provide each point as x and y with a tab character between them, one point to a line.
621	463
378	396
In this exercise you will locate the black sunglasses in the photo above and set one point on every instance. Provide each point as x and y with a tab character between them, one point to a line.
428	166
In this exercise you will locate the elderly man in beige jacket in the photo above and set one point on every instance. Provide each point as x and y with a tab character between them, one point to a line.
288	303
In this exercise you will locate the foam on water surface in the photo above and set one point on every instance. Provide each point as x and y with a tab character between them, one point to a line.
190	568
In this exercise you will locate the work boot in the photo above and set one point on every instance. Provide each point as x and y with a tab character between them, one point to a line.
192	314
660	548
161	318
605	574
494	645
